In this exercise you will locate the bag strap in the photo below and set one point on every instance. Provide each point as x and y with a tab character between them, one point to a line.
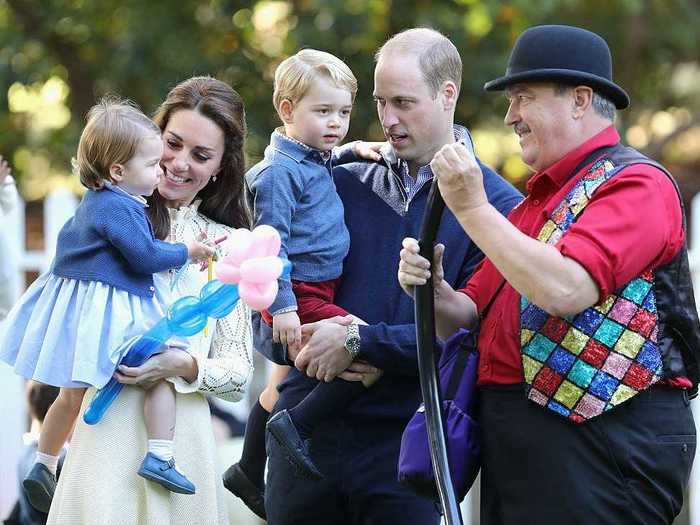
468	345
482	314
459	367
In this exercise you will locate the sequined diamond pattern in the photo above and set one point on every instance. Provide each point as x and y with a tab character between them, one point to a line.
583	365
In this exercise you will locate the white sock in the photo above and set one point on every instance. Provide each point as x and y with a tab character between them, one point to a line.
162	448
51	462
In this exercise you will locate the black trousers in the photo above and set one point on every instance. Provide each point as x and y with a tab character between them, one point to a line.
360	486
627	466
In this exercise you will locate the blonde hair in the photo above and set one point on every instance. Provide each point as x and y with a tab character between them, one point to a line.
438	58
294	75
112	134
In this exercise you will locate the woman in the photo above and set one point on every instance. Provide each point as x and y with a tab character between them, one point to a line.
201	193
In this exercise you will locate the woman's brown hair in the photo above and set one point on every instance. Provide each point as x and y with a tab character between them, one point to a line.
223	200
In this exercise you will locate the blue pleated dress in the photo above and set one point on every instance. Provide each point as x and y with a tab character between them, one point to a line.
67	332
103	288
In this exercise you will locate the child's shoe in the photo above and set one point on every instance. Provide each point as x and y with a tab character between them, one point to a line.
40	484
236	482
164	473
282	428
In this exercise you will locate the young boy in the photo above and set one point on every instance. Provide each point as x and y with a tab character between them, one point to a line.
293	191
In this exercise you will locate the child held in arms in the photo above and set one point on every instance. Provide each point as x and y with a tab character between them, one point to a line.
67	328
293	191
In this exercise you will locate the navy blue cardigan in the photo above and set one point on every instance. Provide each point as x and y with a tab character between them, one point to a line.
110	239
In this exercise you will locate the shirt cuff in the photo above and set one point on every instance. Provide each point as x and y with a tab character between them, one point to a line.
285	297
284	310
344	154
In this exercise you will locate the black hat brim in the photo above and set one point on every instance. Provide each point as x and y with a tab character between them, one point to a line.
610	90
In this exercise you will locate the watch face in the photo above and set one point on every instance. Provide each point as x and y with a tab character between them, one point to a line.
352	341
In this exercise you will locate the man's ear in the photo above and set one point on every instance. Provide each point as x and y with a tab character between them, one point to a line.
583	99
449	94
286	111
116	172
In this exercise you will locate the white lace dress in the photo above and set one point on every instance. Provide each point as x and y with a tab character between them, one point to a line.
99	483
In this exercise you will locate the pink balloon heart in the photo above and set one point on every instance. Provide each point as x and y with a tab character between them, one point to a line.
239	245
266	241
258	296
252	262
227	272
261	269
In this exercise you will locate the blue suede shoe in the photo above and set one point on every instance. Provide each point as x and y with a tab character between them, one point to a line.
39	485
164	473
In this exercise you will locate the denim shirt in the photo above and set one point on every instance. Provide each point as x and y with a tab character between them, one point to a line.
293	191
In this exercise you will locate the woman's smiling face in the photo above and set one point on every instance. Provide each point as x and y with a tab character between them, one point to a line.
193	147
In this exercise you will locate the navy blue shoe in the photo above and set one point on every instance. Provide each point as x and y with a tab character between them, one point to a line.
39	485
164	473
282	428
236	482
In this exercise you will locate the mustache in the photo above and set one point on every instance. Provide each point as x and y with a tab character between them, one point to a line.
394	131
521	128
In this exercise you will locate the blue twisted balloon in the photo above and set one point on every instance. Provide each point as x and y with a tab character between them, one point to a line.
185	317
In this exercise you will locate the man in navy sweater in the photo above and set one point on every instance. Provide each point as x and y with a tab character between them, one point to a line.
417	81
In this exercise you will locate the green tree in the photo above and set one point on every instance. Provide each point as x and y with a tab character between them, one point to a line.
141	49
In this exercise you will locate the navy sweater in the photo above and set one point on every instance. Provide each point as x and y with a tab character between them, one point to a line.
378	218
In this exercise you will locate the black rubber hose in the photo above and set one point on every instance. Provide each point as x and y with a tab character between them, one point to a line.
427	371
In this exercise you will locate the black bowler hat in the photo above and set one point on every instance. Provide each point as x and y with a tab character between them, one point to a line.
565	54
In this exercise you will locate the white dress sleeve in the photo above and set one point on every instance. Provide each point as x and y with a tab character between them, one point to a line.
224	354
227	370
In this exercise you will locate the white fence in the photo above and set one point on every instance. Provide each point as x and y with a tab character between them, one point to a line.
58	208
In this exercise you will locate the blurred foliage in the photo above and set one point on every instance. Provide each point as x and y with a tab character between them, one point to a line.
58	56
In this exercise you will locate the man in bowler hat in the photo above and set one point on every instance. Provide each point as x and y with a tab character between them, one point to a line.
589	351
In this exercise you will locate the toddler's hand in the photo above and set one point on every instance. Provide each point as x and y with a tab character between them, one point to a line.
198	251
368	150
286	329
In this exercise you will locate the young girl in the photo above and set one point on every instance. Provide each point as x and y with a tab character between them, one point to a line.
100	291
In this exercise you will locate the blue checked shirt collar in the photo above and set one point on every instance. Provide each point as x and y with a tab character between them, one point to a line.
425	174
295	149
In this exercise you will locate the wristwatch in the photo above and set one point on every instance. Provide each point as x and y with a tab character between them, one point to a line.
352	340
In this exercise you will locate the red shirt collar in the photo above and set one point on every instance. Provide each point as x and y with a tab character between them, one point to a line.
561	171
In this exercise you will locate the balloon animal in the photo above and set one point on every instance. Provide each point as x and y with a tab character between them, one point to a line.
249	271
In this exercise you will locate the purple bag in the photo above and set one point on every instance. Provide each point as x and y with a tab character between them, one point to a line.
457	369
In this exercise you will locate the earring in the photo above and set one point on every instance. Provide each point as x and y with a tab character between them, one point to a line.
213	178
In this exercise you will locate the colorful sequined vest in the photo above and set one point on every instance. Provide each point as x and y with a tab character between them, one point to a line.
583	365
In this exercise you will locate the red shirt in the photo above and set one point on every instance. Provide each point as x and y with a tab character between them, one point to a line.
632	223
